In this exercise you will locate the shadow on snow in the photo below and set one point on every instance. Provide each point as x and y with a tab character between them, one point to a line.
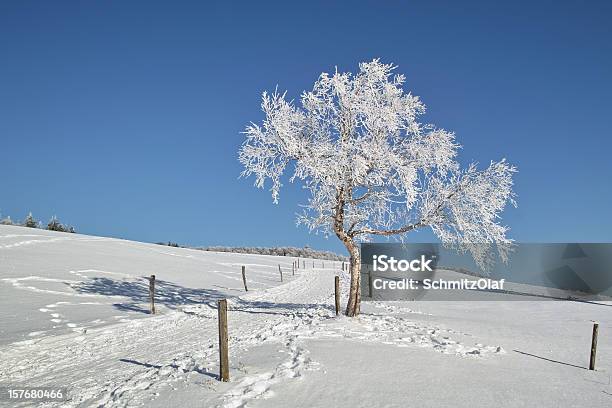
172	296
167	293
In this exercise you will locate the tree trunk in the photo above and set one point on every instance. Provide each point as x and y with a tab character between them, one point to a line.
354	302
347	238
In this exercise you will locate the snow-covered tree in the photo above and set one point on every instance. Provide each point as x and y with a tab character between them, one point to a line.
373	169
6	221
30	221
54	225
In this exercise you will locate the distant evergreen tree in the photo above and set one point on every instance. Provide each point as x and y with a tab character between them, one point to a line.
6	221
30	222
55	225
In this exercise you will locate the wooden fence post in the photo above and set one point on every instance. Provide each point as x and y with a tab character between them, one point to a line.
281	272
152	293
244	278
337	293
223	342
593	346
293	269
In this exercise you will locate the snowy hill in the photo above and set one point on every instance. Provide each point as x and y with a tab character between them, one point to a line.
74	313
56	282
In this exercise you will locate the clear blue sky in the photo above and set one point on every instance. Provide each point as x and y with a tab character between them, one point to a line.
124	118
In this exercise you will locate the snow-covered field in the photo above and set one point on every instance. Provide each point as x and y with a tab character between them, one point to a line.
74	313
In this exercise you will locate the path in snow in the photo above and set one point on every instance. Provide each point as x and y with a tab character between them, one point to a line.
133	362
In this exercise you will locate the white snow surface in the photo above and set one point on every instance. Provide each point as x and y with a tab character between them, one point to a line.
74	313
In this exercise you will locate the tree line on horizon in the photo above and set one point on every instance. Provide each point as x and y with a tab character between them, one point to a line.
294	252
53	225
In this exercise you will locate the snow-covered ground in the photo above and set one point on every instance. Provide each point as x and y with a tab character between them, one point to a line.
73	313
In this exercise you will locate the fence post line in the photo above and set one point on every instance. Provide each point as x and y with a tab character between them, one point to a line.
593	346
223	340
337	293
244	278
152	293
281	272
